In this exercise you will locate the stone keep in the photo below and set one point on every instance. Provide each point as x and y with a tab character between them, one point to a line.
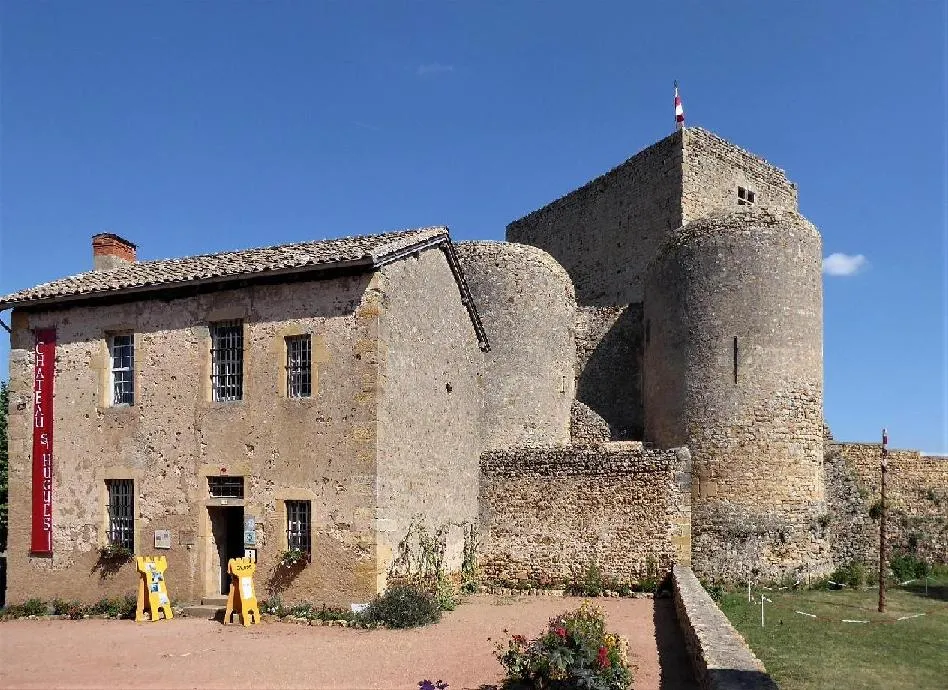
705	241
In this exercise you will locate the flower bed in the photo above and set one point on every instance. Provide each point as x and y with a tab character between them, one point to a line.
574	651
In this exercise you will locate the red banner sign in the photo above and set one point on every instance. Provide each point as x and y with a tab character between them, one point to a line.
44	368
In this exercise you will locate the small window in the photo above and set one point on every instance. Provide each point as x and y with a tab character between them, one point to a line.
227	361
299	363
121	513
298	526
225	487
745	196
122	369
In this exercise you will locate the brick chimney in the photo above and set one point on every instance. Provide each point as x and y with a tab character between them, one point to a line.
111	251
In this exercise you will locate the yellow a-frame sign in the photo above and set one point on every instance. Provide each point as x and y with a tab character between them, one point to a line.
152	588
242	597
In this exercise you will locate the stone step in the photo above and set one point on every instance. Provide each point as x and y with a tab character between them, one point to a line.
215	601
206	612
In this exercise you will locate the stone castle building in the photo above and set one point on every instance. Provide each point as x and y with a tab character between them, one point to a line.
633	378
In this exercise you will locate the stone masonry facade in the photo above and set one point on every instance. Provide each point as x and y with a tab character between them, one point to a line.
548	514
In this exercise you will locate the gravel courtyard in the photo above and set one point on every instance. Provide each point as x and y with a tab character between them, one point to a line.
189	653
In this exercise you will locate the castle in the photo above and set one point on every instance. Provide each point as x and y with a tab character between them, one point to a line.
634	378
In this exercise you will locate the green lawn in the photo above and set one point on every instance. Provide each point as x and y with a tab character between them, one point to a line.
803	652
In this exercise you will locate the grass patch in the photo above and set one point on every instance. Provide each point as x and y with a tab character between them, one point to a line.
802	652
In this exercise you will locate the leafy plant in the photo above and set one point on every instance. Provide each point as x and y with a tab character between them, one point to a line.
851	574
115	552
273	606
905	566
293	558
469	573
575	651
428	685
115	608
403	606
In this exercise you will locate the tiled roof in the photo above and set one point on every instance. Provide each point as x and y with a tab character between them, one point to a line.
370	251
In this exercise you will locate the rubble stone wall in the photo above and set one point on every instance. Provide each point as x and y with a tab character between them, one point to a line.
916	501
547	514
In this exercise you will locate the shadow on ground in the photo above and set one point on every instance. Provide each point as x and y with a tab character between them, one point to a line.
933	591
673	660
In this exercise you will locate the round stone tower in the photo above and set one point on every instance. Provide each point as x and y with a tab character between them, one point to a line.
528	307
733	368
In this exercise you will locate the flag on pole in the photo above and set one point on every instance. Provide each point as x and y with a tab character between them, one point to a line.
679	110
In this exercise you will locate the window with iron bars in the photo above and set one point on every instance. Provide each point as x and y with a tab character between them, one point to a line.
227	361
298	526
122	369
225	487
299	363
121	513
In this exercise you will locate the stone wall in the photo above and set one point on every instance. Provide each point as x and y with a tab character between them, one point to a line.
525	300
548	513
916	499
713	170
609	367
720	657
430	404
321	449
733	370
605	233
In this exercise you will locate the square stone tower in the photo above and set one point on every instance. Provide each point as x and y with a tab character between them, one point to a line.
606	232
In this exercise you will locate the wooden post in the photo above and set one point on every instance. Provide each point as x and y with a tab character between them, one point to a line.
883	468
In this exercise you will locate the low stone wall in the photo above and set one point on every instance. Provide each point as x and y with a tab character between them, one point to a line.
916	501
719	655
548	514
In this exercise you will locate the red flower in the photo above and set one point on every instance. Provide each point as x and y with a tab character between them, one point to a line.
520	639
561	631
603	657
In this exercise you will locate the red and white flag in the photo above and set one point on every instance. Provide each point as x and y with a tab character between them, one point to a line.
679	110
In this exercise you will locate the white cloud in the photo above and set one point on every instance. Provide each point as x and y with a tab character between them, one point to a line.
433	69
844	264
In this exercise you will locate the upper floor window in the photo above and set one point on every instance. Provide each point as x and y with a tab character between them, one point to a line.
122	369
299	363
745	196
227	360
121	513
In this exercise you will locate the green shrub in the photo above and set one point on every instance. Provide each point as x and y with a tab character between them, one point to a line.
905	566
575	651
403	606
35	607
852	574
115	608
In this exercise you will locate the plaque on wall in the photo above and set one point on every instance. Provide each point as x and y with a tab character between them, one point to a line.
162	538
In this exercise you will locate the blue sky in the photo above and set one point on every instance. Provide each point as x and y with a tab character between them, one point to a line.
204	126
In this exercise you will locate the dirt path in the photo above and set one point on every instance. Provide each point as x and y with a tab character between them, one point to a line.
188	653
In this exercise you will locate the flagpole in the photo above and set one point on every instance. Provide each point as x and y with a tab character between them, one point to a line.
679	110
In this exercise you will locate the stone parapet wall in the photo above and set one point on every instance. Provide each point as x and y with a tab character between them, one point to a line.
916	498
549	513
719	655
714	168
